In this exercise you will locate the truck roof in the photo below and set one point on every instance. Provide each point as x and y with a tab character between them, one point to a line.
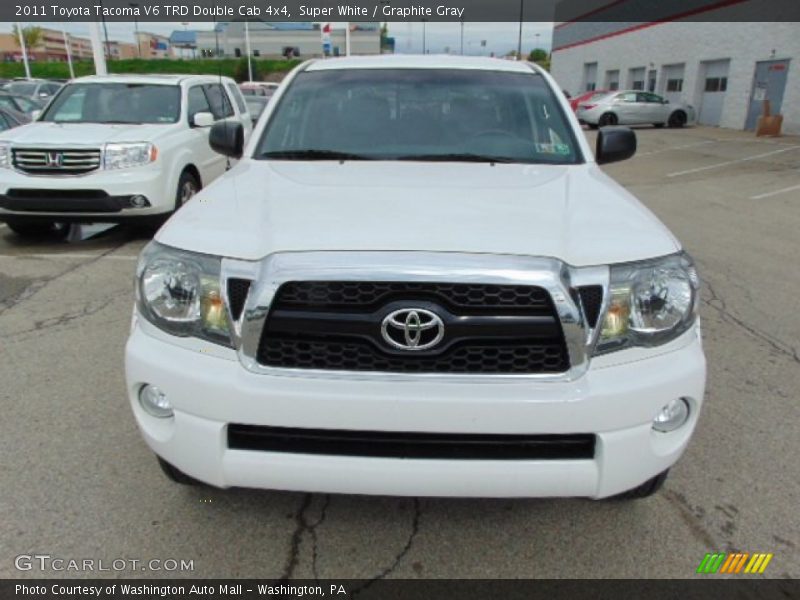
411	61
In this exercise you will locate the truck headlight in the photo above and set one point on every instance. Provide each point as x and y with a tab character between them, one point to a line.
651	303
5	155
179	292
124	156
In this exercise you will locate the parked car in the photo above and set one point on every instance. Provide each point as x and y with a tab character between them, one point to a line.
259	88
116	149
256	106
417	280
12	118
632	107
37	89
21	104
584	98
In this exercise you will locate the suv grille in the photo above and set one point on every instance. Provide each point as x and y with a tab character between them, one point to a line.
488	329
55	161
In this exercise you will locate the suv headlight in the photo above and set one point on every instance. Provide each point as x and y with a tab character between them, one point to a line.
124	156
651	303
179	292
5	155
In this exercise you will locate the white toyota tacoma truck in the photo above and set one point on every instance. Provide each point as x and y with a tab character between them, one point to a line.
417	280
116	148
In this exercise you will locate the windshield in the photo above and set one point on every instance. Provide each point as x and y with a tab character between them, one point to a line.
419	114
115	103
24	89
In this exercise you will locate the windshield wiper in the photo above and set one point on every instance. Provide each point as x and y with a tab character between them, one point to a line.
312	154
458	157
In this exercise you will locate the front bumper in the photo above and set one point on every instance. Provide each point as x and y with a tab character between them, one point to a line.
97	196
617	402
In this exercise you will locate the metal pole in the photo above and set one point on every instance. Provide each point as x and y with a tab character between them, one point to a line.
97	49
24	51
247	47
347	38
462	38
519	43
69	53
136	29
424	33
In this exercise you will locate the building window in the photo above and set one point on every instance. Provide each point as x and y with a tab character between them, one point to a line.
638	84
591	86
237	52
674	85
716	84
613	85
256	53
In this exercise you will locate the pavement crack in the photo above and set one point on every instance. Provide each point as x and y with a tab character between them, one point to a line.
400	555
42	283
313	531
717	303
303	526
690	517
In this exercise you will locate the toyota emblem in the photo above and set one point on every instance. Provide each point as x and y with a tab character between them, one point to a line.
412	329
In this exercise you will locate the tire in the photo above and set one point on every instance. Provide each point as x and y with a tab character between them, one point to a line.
608	119
647	489
188	186
176	475
677	119
39	229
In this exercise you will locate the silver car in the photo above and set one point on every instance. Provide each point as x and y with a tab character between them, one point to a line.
634	107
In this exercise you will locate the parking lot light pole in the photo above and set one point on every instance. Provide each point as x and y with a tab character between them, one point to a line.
69	53
249	53
519	42
24	51
97	49
135	5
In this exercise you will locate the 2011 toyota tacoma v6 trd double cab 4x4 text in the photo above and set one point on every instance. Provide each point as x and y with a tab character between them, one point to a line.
417	281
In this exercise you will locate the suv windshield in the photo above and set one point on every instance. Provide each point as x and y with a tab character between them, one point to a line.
115	103
419	114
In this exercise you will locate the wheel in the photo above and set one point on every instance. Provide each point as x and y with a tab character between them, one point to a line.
608	119
648	488
176	475
592	126
677	119
188	186
39	229
658	125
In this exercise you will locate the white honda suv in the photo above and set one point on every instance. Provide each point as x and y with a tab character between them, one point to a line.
115	149
417	280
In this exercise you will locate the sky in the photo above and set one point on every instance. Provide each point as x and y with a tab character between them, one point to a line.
500	37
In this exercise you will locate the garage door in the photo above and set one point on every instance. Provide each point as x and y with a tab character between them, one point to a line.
715	84
590	76
672	82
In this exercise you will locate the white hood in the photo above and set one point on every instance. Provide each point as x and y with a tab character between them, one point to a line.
81	134
573	213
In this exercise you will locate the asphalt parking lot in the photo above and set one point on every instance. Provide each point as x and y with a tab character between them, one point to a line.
78	482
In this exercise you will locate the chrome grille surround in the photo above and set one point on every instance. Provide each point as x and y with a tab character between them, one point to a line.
42	160
558	278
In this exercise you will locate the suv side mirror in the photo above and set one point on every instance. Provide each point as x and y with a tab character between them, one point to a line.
202	119
227	138
614	144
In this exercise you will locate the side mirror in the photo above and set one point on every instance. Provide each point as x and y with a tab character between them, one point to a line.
35	114
614	144
203	119
227	138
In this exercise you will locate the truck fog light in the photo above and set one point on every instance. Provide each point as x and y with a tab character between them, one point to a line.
672	415
155	402
139	201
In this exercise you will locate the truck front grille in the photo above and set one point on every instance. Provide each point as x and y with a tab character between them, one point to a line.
56	161
488	329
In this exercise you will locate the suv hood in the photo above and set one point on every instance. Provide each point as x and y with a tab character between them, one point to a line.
81	134
573	213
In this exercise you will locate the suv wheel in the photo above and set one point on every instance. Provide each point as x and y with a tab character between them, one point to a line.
188	186
39	229
648	488
176	475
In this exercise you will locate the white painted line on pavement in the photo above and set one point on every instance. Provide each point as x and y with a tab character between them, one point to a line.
775	192
731	162
72	256
677	148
